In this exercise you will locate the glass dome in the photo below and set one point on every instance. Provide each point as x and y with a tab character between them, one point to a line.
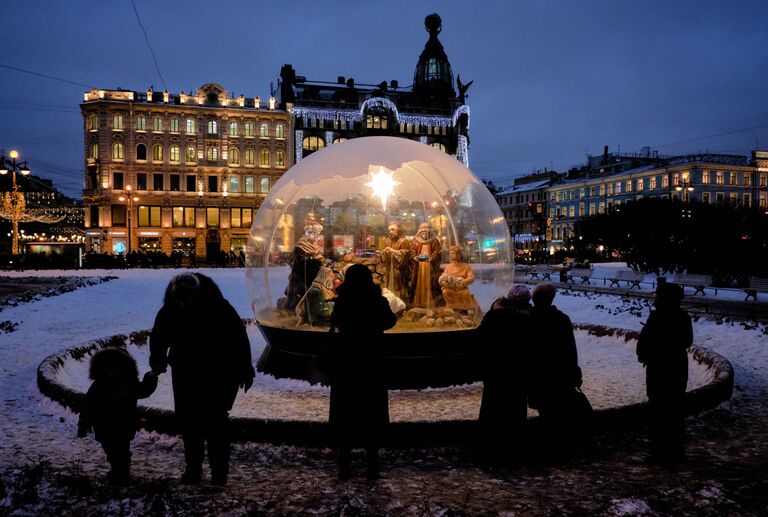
430	231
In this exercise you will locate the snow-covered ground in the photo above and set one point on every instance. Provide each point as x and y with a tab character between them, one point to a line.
34	428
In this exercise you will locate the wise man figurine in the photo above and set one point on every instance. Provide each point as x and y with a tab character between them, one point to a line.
394	261
425	267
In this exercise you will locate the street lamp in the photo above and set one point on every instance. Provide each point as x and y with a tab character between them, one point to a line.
130	198
14	201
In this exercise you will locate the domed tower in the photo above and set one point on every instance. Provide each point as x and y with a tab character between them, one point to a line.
433	79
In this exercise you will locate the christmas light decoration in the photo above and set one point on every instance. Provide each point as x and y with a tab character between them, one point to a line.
382	185
298	143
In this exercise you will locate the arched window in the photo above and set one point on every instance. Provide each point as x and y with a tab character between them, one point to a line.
376	121
279	131
117	122
340	140
191	129
141	123
174	125
94	151
249	129
234	157
212	153
117	151
93	122
157	124
312	143
264	130
191	155
213	127
141	152
174	153
157	153
233	129
263	158
280	158
438	145
249	157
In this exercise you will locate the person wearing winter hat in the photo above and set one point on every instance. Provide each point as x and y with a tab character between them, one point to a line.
505	334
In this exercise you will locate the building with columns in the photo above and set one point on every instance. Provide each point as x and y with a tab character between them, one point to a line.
184	172
431	110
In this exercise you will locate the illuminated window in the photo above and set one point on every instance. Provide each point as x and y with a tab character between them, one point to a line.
93	122
665	182
249	185
191	155
264	130
234	156
191	126
312	143
719	178
212	153
174	153
212	217
174	125
157	124
652	182
117	122
263	158
279	158
640	184
705	177
117	151
242	217
234	184
732	178
141	123
233	129
264	185
249	157
438	145
340	140
747	180
279	131
249	129
763	179
94	152
376	121
141	153
149	215
157	153
213	127
184	216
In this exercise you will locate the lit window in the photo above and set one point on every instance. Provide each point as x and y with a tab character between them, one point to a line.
242	217
234	156
212	153
184	216
233	129
174	125
212	217
312	143
117	122
263	158
157	153
157	124
340	140
719	178
249	185
141	153
213	127
376	121
279	158
117	151
191	155
628	186
732	178
264	185
279	131
234	184
174	153
665	182
141	123
94	151
264	130
652	182
705	177
747	180
249	157
640	184
149	215
438	145
93	122
191	126
249	129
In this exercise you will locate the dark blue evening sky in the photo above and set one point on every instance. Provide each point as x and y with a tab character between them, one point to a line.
553	80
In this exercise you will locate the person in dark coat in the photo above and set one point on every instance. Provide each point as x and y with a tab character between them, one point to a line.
359	406
504	338
110	407
554	371
201	336
662	347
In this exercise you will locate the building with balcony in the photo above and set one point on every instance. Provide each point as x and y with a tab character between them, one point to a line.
184	172
431	110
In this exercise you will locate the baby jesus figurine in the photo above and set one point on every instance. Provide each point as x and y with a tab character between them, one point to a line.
454	282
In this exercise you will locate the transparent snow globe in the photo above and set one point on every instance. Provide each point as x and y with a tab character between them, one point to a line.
428	229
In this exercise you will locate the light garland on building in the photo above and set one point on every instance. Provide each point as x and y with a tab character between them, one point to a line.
463	151
328	138
378	102
298	142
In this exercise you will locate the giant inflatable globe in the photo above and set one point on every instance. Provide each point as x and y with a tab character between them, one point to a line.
430	232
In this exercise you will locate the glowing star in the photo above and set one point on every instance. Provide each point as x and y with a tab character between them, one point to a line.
383	185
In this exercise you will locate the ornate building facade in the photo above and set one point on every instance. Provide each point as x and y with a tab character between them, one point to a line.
185	172
431	110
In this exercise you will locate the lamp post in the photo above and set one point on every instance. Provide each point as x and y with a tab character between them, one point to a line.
686	188
14	201
130	198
